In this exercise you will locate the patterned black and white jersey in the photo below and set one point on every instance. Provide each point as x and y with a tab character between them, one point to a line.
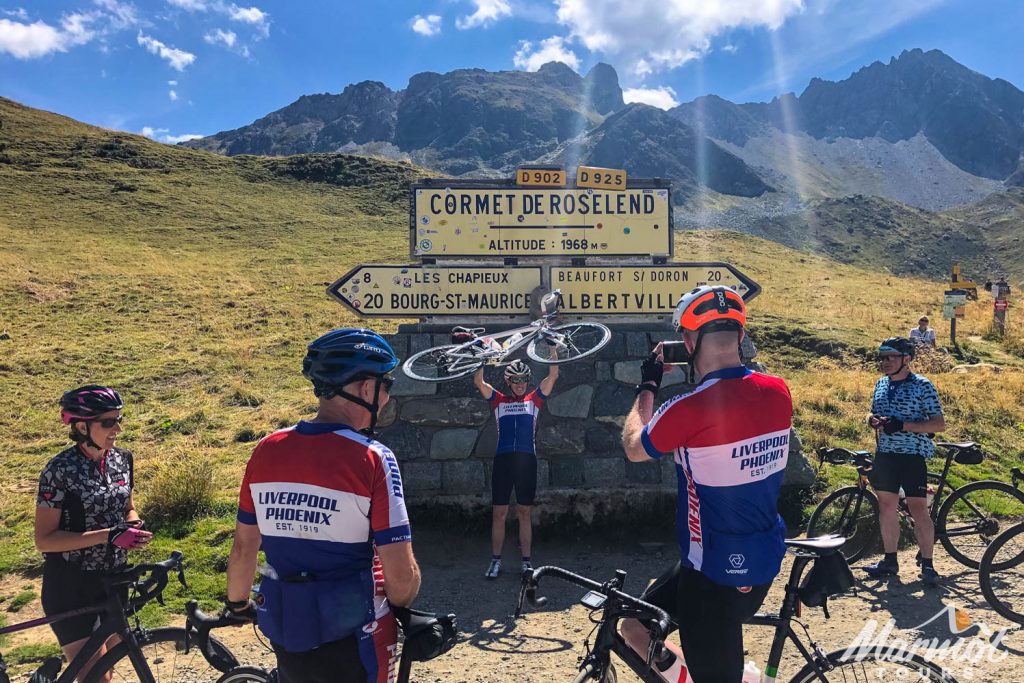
90	495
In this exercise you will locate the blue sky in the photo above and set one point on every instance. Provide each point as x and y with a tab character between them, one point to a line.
178	68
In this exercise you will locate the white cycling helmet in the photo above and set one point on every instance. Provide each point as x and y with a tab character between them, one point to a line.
517	371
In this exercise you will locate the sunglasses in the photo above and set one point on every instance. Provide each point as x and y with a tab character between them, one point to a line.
109	422
517	380
882	357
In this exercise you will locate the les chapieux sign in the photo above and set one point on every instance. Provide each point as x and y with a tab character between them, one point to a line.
451	218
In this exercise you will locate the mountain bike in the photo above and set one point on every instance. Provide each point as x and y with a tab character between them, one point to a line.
1000	574
142	655
441	635
966	521
472	348
874	663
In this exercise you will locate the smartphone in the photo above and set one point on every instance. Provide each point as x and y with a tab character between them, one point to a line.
675	353
593	600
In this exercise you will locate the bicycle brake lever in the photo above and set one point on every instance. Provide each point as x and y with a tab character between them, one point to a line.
181	577
160	598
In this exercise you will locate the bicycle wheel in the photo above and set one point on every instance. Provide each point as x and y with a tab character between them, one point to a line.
973	515
587	673
440	365
164	649
875	665
578	340
1004	588
850	512
248	674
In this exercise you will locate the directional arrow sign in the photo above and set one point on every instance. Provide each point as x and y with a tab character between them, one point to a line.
641	289
415	291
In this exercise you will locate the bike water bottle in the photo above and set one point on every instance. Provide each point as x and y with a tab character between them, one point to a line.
903	494
673	668
490	343
513	340
930	495
751	674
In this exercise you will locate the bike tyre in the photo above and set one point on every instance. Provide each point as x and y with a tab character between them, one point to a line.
587	673
915	663
942	519
856	546
985	574
246	674
175	635
603	335
423	359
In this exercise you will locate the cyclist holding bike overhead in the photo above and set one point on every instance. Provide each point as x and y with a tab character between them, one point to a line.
515	458
905	413
86	520
730	440
326	503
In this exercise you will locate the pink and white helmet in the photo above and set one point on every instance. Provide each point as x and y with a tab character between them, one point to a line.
88	403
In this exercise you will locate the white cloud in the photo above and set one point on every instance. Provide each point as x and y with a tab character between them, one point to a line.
118	15
250	15
17	13
655	35
228	38
173	94
178	59
172	83
163	135
553	49
429	25
28	41
487	12
190	5
662	97
730	48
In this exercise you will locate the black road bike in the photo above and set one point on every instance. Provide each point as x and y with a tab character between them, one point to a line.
143	655
867	664
966	521
1001	574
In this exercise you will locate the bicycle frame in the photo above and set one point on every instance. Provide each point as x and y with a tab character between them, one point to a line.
475	352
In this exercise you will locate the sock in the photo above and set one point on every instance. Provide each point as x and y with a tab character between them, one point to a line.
496	557
926	562
526	558
890	558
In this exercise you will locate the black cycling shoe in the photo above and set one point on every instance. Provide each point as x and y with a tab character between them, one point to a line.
929	576
882	569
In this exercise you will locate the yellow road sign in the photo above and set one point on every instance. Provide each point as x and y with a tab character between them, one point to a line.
540	177
497	221
641	289
413	291
602	178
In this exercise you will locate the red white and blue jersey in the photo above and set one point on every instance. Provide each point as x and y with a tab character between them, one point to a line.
516	419
730	439
323	496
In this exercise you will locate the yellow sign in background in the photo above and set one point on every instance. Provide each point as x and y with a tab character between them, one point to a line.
515	221
632	290
419	291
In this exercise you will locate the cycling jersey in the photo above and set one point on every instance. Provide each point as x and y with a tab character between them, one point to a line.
91	495
730	437
913	399
324	496
517	420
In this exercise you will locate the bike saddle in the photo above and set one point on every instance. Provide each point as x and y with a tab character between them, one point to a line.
822	545
965	445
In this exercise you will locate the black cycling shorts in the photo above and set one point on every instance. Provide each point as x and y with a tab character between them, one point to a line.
893	470
65	588
336	662
710	617
514	470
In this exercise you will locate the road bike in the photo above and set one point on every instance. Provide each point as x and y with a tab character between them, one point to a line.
440	632
869	663
966	521
545	341
1001	575
143	655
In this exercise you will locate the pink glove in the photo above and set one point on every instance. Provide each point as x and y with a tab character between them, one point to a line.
128	537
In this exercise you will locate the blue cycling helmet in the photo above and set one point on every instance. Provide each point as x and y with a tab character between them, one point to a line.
900	345
345	355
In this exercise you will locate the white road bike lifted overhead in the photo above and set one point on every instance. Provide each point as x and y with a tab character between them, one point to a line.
474	347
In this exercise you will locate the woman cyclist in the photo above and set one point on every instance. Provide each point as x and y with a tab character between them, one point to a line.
86	520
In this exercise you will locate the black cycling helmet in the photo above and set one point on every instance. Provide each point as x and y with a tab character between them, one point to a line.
517	369
900	345
88	402
347	355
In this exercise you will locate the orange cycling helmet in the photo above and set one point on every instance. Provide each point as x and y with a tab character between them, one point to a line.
710	309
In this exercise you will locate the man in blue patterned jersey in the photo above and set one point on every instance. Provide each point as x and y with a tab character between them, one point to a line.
905	414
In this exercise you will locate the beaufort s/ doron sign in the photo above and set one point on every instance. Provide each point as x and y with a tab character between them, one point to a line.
450	219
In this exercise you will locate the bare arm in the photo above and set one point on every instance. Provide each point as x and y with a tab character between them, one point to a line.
242	561
932	425
639	415
50	539
548	383
484	388
401	573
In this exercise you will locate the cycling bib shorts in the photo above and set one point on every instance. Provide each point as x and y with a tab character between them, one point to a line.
514	471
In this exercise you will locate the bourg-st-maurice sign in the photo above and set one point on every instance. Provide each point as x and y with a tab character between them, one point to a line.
411	291
463	219
641	289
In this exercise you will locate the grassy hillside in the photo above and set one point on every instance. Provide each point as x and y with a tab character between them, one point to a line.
192	282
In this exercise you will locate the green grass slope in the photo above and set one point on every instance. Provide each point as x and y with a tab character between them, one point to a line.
192	283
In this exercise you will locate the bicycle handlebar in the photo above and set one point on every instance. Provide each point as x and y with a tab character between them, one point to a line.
661	620
202	624
844	456
151	587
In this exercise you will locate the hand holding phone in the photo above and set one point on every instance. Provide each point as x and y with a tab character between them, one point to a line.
674	353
